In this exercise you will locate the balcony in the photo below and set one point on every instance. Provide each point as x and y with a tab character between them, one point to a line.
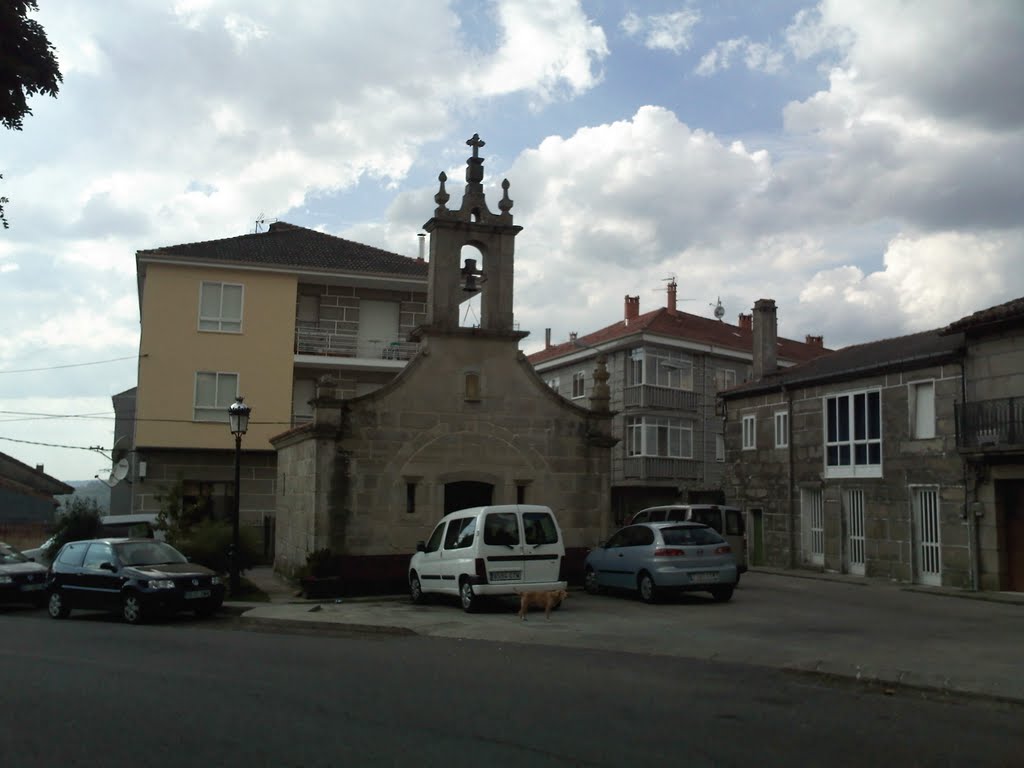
317	341
648	396
660	468
990	425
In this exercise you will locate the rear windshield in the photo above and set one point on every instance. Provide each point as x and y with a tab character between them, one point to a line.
540	528
712	517
686	535
501	528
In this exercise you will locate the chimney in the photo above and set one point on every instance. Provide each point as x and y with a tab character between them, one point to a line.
815	341
39	467
766	336
672	296
423	245
572	335
632	308
746	322
547	338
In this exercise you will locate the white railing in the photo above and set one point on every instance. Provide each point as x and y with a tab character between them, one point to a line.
318	341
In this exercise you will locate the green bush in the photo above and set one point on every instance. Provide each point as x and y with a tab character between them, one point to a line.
208	542
80	520
322	564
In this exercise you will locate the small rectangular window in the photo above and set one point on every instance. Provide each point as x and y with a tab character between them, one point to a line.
922	403
578	382
749	433
719	447
781	429
410	498
214	393
220	307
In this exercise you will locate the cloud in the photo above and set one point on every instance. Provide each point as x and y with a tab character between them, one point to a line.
666	32
757	57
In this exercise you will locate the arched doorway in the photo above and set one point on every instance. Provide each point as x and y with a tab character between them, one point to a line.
466	493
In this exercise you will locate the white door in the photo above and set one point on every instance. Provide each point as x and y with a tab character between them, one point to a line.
378	328
855	532
813	518
543	555
927	536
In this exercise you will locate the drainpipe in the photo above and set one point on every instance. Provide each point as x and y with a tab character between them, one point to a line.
970	518
790	497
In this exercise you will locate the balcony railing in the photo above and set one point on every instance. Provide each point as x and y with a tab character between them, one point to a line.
317	341
648	396
990	424
660	468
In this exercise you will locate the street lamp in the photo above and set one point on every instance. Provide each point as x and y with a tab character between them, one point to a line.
238	420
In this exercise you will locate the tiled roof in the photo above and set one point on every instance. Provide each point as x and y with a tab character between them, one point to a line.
1010	311
859	360
288	245
682	325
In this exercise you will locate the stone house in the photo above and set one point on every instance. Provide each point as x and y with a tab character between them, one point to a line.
27	505
849	463
990	438
468	422
665	368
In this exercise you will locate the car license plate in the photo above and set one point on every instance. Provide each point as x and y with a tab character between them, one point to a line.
703	578
505	575
197	594
32	587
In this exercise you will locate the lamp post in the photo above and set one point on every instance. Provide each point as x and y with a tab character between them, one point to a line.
238	419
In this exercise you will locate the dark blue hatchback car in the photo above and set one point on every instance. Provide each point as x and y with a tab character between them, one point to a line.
138	578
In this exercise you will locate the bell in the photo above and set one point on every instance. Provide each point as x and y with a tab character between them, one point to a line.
470	285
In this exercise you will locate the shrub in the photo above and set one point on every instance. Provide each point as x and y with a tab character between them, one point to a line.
208	542
80	520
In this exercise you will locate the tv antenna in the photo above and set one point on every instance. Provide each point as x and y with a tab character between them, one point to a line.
719	309
260	221
671	280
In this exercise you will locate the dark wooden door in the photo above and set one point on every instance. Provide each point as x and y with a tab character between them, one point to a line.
1011	499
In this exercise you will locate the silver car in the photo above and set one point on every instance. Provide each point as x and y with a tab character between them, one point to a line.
653	558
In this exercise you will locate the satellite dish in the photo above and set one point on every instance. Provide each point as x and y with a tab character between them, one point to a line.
117	474
719	309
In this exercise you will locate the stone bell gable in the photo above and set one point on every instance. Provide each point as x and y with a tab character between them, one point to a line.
467	422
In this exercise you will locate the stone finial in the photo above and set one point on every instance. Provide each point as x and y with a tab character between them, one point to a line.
442	196
599	394
475	164
505	204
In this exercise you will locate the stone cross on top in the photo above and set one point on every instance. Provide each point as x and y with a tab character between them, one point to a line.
476	142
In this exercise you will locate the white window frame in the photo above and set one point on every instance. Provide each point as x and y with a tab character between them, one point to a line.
218	322
659	368
749	432
782	429
922	409
659	436
724	378
225	390
579	385
848	452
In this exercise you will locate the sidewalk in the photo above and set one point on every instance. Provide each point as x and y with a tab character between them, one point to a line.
832	625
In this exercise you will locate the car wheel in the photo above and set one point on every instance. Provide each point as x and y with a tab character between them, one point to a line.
648	590
590	581
57	607
722	594
131	609
470	602
416	590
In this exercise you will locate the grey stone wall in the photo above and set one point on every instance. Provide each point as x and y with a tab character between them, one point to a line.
772	478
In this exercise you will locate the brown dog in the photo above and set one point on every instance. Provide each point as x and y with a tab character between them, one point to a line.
545	600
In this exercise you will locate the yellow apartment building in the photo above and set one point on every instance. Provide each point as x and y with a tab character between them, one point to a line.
264	316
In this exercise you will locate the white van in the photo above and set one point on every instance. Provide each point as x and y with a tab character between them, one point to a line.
140	526
728	521
489	551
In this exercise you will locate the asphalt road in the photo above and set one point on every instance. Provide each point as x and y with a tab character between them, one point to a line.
92	691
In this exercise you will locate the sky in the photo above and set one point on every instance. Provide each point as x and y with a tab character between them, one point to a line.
861	162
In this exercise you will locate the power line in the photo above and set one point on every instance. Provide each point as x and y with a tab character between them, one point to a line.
76	365
50	445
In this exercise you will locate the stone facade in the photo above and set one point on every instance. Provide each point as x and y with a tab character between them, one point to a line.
900	517
466	422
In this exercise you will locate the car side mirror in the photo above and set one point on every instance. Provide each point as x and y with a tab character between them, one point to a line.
421	546
107	567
